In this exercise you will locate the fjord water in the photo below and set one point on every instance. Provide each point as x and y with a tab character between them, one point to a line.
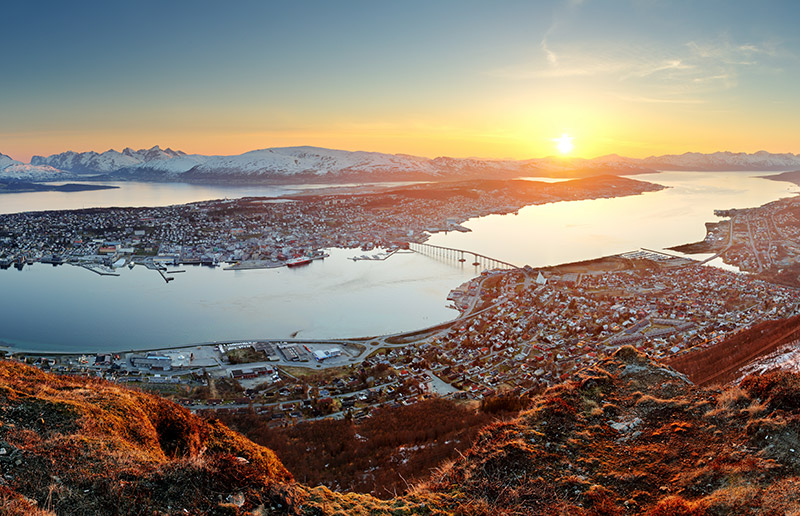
579	230
67	308
129	194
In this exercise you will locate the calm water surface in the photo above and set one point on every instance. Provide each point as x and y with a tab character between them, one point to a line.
133	194
71	309
563	232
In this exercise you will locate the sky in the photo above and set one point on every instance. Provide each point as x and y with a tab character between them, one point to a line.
495	79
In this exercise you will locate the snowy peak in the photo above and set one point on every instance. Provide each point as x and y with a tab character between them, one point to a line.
317	164
7	161
16	170
22	172
759	161
112	161
152	154
311	162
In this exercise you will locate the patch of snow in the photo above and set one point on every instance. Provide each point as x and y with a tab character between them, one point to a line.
286	162
155	158
7	161
786	358
32	173
760	160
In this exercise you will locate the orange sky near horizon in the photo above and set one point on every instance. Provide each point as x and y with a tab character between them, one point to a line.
526	144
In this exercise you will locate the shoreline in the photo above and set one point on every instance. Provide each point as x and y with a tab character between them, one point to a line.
12	349
600	262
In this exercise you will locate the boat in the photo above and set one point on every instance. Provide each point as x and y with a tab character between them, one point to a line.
300	260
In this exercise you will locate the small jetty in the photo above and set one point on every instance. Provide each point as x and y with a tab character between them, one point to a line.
245	265
160	268
374	257
96	268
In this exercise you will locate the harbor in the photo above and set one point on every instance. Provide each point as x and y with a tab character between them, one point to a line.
332	298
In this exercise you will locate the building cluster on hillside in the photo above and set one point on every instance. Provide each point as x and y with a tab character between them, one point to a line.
765	239
539	333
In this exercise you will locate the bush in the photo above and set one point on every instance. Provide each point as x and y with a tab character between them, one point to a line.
779	389
676	506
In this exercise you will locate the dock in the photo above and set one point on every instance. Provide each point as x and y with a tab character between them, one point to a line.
97	269
246	265
377	257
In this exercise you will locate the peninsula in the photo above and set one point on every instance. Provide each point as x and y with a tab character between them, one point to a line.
15	186
269	231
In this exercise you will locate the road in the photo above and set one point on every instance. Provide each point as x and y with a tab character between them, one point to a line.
752	244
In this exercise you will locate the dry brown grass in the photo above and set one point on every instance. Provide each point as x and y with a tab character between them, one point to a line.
88	446
623	438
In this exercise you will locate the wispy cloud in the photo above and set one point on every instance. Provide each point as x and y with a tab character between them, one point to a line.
677	74
563	11
551	56
723	50
648	68
573	68
654	100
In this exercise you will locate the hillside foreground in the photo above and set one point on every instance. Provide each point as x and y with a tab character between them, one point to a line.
626	436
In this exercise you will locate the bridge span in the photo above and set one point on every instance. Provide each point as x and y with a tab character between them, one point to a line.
460	256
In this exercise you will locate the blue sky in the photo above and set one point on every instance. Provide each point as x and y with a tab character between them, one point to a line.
462	78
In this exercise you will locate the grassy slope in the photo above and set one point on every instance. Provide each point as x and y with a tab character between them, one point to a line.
84	446
628	436
632	436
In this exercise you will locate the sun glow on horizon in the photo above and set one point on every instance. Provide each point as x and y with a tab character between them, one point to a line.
564	144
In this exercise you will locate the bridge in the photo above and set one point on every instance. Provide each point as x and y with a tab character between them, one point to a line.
450	254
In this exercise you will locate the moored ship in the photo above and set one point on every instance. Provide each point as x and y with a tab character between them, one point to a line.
296	262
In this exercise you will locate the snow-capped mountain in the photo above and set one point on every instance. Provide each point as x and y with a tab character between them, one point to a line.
572	167
7	161
293	161
315	164
22	172
759	161
11	169
129	161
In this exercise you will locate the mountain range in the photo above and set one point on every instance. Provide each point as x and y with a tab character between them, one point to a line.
16	170
319	165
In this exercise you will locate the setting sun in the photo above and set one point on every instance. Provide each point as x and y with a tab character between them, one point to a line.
564	143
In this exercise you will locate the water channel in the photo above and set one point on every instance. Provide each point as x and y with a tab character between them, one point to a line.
68	308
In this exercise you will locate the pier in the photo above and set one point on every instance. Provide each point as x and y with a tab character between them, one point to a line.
450	254
98	269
